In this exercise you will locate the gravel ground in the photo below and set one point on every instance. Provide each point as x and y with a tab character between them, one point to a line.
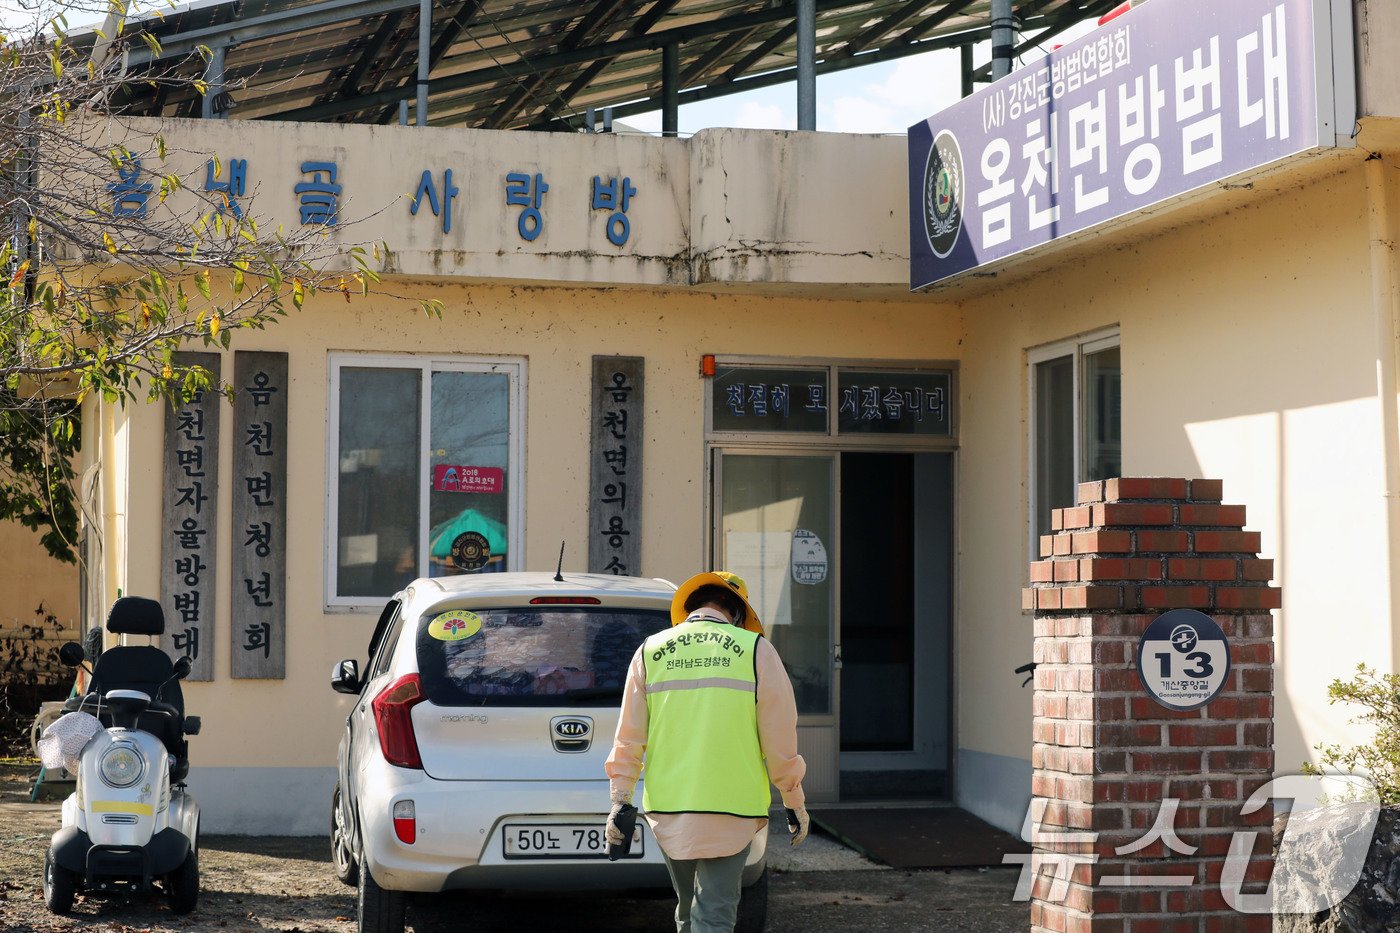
258	884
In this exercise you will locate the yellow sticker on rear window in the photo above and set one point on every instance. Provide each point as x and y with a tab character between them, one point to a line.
454	625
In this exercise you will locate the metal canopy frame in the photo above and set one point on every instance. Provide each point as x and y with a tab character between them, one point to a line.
539	64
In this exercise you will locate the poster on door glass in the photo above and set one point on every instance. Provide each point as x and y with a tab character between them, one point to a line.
808	558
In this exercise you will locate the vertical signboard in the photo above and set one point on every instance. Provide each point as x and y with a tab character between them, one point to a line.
1167	98
189	522
615	486
258	581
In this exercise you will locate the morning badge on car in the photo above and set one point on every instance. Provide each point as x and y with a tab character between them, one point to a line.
454	625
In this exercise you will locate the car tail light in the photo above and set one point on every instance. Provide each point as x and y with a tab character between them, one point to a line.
565	601
393	716
405	822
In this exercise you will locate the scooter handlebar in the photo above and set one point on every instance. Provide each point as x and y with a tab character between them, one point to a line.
94	703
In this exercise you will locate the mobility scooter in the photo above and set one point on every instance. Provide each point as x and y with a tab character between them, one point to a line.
130	826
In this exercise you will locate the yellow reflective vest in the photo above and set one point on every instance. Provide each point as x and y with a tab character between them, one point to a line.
703	753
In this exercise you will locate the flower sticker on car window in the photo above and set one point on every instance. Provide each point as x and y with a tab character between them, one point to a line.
456	625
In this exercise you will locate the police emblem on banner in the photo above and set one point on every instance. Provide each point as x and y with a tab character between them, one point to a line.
944	184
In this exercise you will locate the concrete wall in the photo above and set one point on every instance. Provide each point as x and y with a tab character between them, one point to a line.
1377	25
1249	354
29	577
806	218
725	207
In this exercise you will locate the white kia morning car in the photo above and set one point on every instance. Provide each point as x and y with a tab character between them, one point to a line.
473	758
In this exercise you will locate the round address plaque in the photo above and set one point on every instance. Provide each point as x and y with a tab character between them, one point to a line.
1183	659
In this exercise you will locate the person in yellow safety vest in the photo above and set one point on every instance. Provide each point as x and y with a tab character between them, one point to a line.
709	706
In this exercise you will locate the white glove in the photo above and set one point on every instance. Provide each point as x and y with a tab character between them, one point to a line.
614	835
797	821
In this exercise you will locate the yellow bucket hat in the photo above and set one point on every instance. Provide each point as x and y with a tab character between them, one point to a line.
715	578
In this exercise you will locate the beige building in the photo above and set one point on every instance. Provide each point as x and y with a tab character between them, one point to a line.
1246	332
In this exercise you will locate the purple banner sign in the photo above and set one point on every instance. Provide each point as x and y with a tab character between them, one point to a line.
1171	96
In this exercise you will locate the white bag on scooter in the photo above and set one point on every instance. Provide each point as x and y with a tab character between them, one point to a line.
63	741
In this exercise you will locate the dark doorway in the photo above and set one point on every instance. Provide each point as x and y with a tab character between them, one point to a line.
896	558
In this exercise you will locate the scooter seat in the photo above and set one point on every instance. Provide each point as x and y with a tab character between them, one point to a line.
149	670
138	667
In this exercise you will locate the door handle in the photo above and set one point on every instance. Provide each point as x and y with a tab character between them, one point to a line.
836	656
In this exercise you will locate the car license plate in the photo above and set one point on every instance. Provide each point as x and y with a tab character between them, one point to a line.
562	840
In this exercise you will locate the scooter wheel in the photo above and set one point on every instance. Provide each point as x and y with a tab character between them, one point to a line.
182	884
60	885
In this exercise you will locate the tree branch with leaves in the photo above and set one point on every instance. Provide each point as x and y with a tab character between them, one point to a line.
112	260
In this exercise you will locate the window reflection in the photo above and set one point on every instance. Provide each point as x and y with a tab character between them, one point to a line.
377	508
387	472
1054	438
769	501
1103	414
468	465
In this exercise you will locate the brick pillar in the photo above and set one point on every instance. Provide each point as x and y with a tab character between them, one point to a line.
1106	753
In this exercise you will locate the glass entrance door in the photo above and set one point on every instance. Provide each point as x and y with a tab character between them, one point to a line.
776	526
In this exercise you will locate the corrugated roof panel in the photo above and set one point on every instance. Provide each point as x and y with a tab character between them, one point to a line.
528	63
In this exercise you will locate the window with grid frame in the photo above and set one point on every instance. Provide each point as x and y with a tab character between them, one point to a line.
425	471
1076	430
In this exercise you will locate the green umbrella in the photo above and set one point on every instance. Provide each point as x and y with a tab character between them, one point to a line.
443	534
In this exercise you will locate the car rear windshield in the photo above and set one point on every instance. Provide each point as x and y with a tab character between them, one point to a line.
533	656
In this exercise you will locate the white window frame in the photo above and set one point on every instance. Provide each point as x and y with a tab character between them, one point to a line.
515	368
1078	348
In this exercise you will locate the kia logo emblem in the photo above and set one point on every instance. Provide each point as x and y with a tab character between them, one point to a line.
572	728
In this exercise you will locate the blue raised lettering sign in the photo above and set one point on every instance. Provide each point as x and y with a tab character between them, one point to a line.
611	196
520	192
231	188
426	188
320	197
129	195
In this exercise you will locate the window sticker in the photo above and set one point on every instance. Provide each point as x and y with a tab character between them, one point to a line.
808	557
471	550
455	625
451	477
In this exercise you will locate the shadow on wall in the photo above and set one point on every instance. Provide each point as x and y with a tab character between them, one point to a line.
1310	478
